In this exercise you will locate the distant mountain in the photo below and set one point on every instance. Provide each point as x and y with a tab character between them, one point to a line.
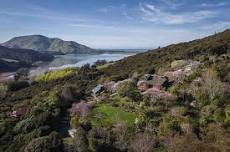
12	59
42	43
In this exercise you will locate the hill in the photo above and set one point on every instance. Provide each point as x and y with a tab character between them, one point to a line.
82	110
43	43
161	58
12	59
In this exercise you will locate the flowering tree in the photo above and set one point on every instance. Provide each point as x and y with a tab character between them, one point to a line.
81	109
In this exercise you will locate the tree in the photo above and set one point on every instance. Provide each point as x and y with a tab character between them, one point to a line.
142	142
67	95
129	89
99	139
74	122
210	91
80	140
120	131
49	143
212	85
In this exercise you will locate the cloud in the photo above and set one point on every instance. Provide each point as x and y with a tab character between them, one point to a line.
173	4
41	16
122	9
153	14
218	26
127	16
213	4
104	9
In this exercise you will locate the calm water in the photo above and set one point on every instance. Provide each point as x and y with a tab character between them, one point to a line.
78	60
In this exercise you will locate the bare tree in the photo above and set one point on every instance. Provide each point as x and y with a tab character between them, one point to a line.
142	142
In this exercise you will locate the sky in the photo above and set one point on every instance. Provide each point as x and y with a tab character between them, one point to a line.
115	24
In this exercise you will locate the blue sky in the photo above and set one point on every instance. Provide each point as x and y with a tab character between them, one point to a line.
115	23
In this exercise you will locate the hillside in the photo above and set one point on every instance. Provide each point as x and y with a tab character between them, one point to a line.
12	59
43	43
178	100
161	58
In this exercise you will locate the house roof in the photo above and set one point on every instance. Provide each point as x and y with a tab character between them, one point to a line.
98	88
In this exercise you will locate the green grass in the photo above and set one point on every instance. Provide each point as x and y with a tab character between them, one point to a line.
54	75
110	115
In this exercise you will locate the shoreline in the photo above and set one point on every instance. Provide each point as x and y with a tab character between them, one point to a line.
7	76
79	61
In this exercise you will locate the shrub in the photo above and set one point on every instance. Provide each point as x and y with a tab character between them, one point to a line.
129	89
80	140
99	139
51	102
74	122
67	95
3	90
227	115
121	135
212	85
45	144
88	72
17	85
178	111
211	91
100	62
178	63
214	138
86	124
120	129
169	125
142	142
54	75
24	126
81	109
174	90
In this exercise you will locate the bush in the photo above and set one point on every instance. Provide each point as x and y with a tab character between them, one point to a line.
80	140
227	115
54	75
178	111
100	62
52	100
178	63
142	142
129	89
45	144
75	122
99	139
169	125
67	95
211	91
24	126
3	90
17	85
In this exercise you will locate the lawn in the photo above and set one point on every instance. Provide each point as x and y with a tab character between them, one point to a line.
106	115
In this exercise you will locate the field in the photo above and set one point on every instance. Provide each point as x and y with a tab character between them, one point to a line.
106	115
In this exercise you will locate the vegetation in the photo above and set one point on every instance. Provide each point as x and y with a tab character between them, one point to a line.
105	115
54	75
193	114
162	57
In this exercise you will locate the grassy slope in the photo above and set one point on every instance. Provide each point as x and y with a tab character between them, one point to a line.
161	58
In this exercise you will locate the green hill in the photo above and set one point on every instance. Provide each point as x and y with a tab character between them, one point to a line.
161	58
